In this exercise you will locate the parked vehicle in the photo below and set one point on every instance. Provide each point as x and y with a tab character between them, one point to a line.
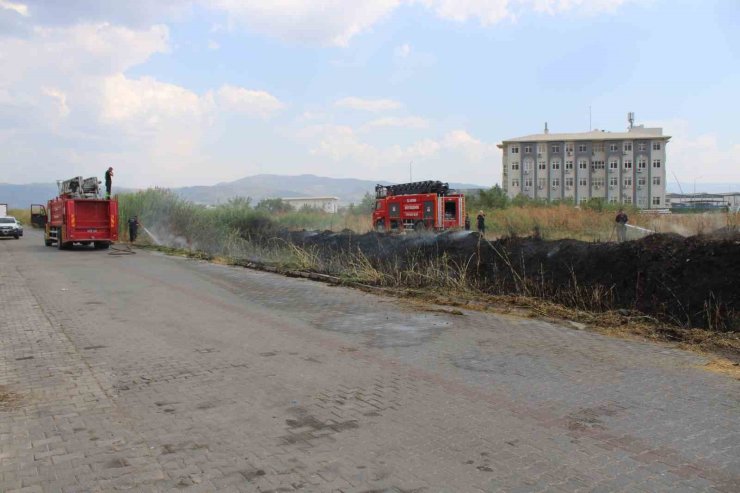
418	205
78	215
9	226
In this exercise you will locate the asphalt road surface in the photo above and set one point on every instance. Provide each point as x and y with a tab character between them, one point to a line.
156	373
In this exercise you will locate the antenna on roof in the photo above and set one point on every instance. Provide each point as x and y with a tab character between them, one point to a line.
547	131
631	118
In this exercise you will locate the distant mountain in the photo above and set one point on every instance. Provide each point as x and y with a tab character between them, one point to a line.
258	187
22	196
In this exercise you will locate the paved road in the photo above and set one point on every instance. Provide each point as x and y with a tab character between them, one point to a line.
155	373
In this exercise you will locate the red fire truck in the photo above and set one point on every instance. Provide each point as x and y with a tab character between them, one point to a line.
418	205
78	215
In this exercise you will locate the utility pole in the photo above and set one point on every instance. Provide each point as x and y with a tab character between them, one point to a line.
410	178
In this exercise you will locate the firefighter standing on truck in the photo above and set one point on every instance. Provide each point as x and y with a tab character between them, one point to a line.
133	228
108	181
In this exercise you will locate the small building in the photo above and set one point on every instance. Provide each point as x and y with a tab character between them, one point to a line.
617	167
326	204
678	201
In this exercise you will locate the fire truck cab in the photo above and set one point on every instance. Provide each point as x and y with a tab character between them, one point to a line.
418	205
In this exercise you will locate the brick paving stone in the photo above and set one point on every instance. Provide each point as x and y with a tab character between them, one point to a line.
155	373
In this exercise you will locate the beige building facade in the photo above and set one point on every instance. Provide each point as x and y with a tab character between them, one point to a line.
617	167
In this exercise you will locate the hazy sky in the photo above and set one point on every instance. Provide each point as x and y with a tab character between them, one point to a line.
183	92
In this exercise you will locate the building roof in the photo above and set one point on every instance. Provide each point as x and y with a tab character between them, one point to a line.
636	133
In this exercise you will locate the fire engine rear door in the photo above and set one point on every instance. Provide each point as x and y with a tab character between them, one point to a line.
38	216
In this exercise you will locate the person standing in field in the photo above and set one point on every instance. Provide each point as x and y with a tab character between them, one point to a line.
467	222
481	220
621	226
108	181
133	228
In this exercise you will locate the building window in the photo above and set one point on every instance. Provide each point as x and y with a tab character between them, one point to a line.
569	165
555	163
612	200
641	146
515	150
541	148
528	164
627	200
541	165
627	164
656	180
642	163
641	201
614	147
569	148
641	181
597	165
656	146
627	146
613	181
540	183
515	165
628	182
527	149
583	164
556	182
613	164
569	182
656	200
582	148
555	149
598	182
583	182
656	163
528	183
515	183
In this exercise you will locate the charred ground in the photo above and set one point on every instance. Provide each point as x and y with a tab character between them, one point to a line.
686	281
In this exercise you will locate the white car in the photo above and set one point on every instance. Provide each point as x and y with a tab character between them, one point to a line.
9	226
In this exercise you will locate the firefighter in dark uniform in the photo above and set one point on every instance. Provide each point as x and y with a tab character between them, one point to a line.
481	220
621	221
108	181
467	222
133	228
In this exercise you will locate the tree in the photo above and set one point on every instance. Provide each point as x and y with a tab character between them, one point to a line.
273	206
493	198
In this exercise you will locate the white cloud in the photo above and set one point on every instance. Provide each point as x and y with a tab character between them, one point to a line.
404	122
60	100
373	105
146	101
246	101
402	51
486	11
474	149
342	144
18	8
698	157
318	21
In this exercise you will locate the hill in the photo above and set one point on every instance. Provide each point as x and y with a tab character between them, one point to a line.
269	186
257	187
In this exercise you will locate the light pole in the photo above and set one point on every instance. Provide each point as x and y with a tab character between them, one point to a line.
697	178
410	178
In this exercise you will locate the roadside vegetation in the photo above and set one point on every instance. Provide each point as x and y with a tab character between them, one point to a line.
468	270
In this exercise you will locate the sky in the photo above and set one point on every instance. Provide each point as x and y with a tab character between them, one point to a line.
196	92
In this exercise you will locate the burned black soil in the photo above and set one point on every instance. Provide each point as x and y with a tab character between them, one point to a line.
687	281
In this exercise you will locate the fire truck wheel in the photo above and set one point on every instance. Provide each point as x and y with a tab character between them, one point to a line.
101	245
419	226
47	242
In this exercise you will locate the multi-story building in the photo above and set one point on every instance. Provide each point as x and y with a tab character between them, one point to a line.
617	167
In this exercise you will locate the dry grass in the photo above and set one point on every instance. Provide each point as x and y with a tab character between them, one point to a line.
23	215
